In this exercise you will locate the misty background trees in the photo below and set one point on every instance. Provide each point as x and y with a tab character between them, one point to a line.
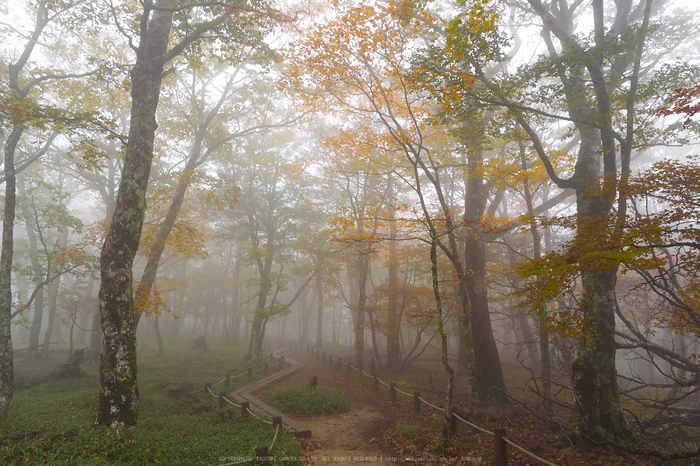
479	182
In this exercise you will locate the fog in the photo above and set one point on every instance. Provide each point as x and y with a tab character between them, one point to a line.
501	195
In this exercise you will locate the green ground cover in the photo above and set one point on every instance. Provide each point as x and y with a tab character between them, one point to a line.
305	399
179	424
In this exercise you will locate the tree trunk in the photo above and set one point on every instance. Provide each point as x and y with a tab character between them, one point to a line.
545	362
179	299
84	318
156	326
52	301
119	396
7	372
393	356
95	337
594	375
363	269
257	328
156	250
319	320
489	373
39	277
304	321
443	340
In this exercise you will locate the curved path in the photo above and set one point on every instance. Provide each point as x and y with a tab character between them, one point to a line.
348	438
352	437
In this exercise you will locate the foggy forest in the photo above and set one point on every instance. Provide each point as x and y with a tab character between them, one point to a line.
350	231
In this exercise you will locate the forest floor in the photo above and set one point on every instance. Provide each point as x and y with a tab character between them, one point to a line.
378	431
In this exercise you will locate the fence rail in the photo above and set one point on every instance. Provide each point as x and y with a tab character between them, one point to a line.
500	440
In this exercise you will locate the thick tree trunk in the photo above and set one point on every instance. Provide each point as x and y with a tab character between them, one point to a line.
594	375
489	373
487	362
599	413
118	400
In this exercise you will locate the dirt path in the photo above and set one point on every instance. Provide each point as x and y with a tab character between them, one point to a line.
349	438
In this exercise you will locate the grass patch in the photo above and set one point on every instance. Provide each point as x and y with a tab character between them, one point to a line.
406	433
179	424
304	399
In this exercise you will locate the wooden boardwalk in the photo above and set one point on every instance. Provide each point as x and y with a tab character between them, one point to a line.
247	394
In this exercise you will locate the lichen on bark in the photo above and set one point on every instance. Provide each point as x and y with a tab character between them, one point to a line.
119	394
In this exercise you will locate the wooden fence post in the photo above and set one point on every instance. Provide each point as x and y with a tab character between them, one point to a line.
374	369
323	358
276	420
262	454
271	357
221	400
281	362
416	402
453	424
392	392
244	409
376	382
250	372
500	446
318	355
340	363
227	380
207	386
349	369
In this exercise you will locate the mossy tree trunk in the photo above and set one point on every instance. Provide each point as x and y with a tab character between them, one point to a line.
587	80
118	399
